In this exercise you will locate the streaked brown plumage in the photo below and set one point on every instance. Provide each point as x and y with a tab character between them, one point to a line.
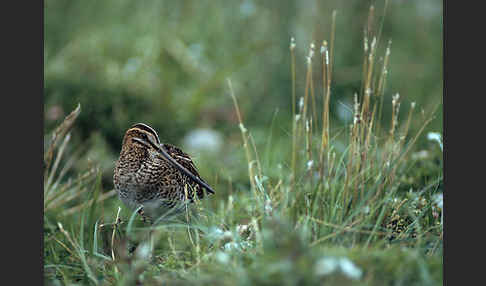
155	176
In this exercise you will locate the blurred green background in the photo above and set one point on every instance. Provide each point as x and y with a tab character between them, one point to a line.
165	63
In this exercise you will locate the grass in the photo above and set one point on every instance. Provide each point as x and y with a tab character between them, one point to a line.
324	215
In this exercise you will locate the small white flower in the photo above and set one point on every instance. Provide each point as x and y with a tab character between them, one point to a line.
435	136
292	43
143	251
222	257
231	246
309	164
328	265
215	233
439	200
227	236
242	128
349	269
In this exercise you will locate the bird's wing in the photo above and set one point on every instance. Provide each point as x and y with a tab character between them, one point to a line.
183	159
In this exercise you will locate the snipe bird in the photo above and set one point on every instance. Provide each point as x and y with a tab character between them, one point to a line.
156	177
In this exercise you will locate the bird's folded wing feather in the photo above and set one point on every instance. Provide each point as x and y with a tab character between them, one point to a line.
186	161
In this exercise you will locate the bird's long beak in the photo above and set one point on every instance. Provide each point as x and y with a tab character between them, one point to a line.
181	168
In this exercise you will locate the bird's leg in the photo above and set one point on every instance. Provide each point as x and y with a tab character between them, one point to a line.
147	219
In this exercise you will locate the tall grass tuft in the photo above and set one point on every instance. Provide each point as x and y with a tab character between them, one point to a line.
341	197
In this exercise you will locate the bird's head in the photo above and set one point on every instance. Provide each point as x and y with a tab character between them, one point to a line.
140	135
